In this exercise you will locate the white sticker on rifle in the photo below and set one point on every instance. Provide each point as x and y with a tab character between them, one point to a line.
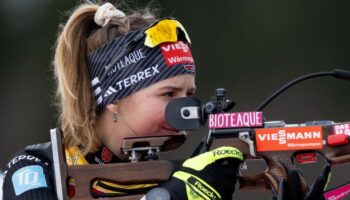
341	129
235	120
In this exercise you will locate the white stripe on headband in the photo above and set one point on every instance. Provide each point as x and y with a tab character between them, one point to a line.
95	81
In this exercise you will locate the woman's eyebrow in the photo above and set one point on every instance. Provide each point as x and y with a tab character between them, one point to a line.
171	88
175	88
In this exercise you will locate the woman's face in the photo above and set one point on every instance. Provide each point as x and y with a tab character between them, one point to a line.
143	113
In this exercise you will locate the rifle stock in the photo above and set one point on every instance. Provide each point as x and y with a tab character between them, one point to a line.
151	171
121	173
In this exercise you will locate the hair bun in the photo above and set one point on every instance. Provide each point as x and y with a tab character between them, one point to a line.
105	13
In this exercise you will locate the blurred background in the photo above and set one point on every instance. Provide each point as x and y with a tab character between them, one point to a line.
249	47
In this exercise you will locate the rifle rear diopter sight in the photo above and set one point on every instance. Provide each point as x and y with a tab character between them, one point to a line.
148	148
219	103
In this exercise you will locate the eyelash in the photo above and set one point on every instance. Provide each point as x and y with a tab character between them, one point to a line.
171	94
190	94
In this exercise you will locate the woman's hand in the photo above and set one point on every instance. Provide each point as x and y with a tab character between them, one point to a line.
291	189
211	175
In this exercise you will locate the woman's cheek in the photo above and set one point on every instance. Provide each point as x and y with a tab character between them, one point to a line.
159	114
162	109
152	118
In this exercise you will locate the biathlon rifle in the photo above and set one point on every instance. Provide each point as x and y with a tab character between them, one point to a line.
277	143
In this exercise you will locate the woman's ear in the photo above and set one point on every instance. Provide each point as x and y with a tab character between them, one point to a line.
112	107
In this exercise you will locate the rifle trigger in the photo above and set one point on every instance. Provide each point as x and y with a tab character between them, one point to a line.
245	137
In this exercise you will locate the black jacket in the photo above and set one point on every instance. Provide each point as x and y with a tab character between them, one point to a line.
30	175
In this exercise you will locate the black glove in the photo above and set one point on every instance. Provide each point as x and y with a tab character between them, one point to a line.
291	190
211	175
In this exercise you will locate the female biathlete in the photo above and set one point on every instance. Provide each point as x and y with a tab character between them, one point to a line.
115	74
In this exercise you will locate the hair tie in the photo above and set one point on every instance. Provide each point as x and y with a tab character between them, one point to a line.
105	13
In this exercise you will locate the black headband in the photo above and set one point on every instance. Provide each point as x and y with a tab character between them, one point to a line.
126	65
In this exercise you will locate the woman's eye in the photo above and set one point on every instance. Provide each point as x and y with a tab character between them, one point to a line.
169	94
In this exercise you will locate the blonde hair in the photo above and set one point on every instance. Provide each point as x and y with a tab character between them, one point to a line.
76	39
